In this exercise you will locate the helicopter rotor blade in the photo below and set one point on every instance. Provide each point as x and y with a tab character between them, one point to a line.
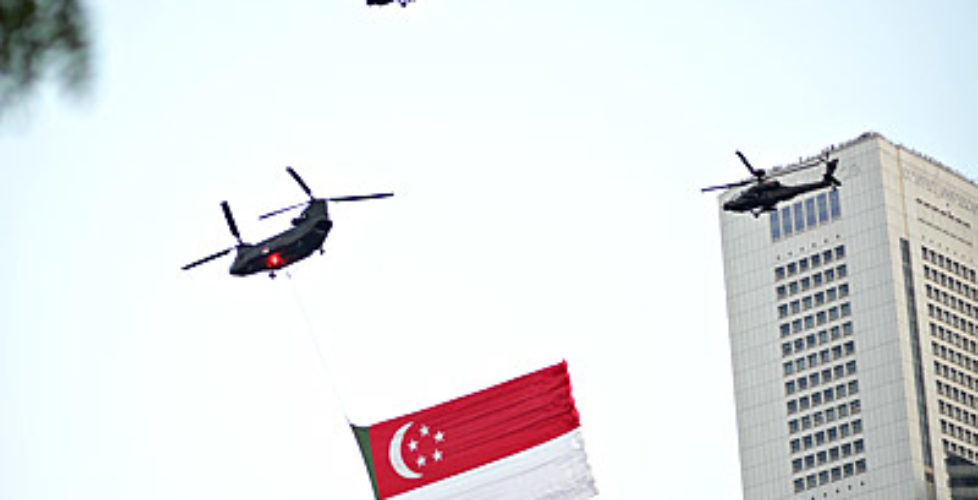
298	179
230	219
209	258
725	186
286	209
360	197
756	172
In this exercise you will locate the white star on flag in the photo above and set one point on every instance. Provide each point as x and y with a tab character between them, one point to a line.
424	430
413	445
421	461
439	437
436	456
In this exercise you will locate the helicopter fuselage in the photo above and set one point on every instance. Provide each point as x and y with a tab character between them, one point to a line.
307	234
764	196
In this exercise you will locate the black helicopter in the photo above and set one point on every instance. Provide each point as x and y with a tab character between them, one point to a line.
765	194
307	234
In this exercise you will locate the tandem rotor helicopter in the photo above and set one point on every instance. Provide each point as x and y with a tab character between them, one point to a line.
765	194
307	234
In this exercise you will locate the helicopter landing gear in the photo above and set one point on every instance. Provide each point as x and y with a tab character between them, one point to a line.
321	251
271	275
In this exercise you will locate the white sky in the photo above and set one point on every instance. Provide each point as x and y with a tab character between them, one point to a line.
547	158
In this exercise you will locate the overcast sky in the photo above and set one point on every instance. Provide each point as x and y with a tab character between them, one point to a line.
546	157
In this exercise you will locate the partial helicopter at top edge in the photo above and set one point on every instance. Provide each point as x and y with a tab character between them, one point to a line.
765	194
307	234
385	2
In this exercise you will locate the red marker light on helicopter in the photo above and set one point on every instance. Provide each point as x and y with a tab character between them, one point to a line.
274	260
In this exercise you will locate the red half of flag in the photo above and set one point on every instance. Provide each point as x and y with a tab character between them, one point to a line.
428	446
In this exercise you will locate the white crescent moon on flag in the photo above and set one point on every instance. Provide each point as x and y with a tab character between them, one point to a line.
394	454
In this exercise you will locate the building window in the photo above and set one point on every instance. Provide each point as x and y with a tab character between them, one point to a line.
823	208
779	273
810	219
775	225
799	217
834	208
786	221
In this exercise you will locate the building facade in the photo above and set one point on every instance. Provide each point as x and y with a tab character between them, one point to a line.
853	322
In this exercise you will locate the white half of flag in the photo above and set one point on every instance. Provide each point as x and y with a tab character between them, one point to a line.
554	470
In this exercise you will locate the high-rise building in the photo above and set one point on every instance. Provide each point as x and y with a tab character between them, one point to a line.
853	322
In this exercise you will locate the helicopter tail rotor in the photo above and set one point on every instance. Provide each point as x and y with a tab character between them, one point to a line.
829	176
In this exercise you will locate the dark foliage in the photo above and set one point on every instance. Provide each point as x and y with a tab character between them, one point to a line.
38	38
